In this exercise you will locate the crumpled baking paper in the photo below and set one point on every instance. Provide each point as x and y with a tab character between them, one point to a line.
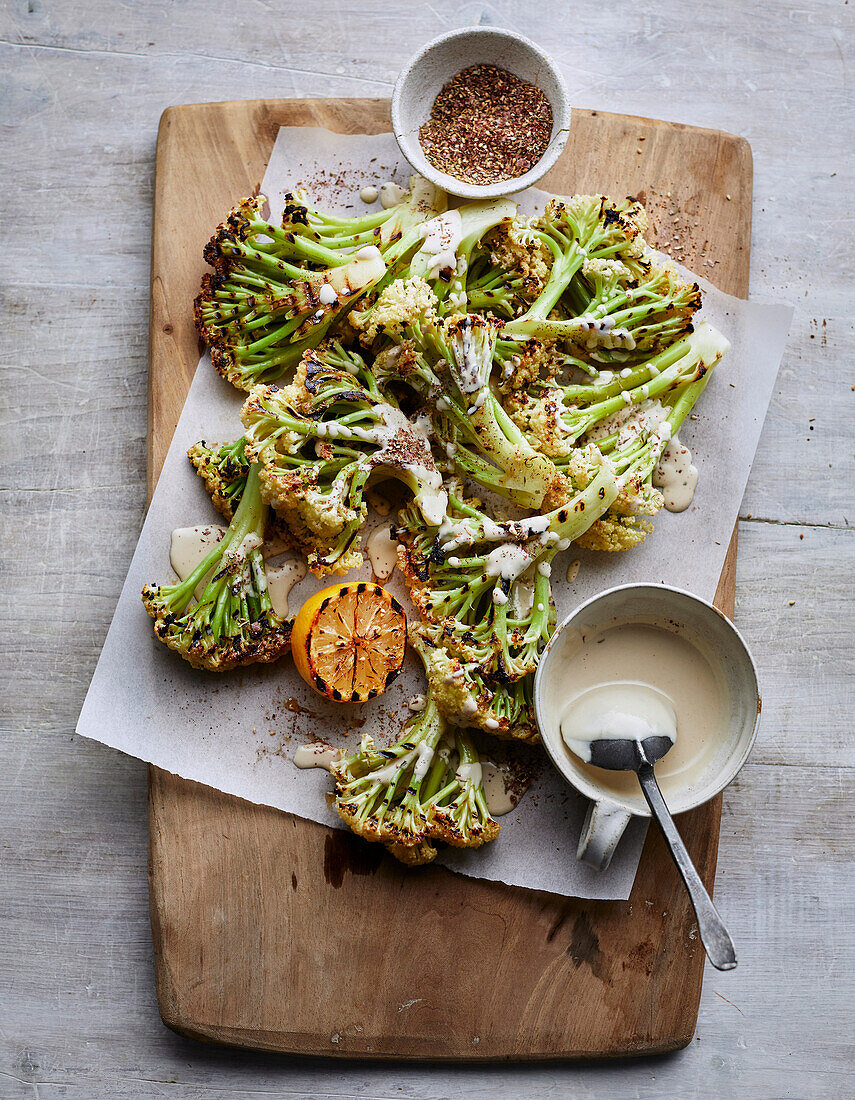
238	731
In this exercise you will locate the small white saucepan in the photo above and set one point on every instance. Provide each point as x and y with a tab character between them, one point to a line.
723	646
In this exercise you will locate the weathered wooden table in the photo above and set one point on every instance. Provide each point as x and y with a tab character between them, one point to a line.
82	90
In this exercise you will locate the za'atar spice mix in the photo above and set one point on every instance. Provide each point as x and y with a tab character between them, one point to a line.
487	125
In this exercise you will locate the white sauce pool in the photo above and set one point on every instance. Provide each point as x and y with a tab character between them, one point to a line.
676	476
499	799
382	552
281	580
317	754
497	793
390	194
369	194
189	545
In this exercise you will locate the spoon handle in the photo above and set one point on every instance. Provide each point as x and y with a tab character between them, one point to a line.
714	936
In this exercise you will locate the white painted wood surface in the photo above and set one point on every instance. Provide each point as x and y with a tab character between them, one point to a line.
82	87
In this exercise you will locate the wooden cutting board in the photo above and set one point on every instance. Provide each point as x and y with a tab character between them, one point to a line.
277	933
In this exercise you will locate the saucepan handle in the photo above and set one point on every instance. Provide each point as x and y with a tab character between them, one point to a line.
604	826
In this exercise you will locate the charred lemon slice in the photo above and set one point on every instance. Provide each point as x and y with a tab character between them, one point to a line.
349	640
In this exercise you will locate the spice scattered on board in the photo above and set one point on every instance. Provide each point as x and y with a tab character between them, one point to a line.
487	125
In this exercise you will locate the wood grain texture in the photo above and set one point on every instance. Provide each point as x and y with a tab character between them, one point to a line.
83	86
266	927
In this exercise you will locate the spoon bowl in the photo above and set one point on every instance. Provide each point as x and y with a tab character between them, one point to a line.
625	755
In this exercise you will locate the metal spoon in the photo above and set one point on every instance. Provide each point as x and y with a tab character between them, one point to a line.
640	756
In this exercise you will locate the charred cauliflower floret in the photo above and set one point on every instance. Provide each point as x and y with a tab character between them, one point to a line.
604	276
540	419
637	496
425	788
483	586
581	466
274	292
221	615
401	303
615	532
526	362
319	441
223	468
459	814
277	291
465	699
614	292
513	247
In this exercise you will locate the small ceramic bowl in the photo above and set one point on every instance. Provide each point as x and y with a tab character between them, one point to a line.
433	66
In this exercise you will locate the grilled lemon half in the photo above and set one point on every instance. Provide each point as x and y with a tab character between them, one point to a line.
349	641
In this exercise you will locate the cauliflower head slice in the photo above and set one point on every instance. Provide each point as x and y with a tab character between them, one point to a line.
539	419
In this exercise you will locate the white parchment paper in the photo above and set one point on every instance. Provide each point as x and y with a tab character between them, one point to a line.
238	731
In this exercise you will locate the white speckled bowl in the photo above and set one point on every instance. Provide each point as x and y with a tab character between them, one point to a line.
436	63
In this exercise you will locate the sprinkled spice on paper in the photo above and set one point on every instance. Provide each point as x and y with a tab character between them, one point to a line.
487	125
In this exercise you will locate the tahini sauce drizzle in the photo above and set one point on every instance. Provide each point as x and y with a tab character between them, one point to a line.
382	552
499	799
676	476
316	754
442	237
280	581
390	194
